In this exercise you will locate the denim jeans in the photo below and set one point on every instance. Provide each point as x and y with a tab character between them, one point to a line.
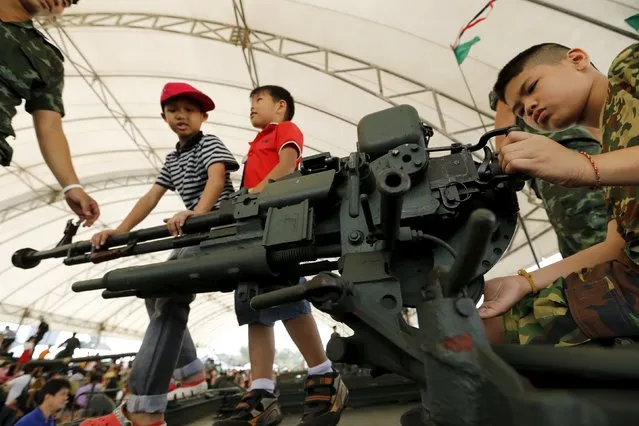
167	350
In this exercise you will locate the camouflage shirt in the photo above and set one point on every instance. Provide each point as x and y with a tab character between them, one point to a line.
620	127
578	215
31	69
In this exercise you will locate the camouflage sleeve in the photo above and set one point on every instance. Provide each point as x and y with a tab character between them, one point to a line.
624	66
48	97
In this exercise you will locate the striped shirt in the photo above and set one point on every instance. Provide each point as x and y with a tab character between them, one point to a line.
185	170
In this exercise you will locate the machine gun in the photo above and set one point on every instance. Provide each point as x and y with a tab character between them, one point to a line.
408	229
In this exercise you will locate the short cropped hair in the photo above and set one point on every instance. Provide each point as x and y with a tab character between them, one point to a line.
278	94
52	387
545	53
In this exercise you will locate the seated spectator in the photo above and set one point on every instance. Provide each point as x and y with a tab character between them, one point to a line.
112	387
86	392
52	398
78	375
18	384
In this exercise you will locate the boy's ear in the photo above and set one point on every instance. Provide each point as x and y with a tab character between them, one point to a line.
205	116
578	58
282	104
163	116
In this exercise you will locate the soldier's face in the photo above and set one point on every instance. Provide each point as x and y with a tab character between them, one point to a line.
45	7
551	97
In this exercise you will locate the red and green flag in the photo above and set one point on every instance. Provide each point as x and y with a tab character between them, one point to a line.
462	50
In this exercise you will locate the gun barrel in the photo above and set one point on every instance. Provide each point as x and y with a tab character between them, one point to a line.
221	271
215	268
481	225
29	258
87	285
393	185
144	248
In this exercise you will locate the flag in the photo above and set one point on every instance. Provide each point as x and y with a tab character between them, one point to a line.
633	21
462	50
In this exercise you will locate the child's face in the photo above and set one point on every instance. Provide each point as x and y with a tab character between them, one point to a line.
184	116
264	110
551	97
45	7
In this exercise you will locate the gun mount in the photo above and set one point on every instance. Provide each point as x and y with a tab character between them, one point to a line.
408	229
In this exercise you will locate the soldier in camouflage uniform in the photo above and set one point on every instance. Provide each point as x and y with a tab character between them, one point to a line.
32	69
578	215
552	87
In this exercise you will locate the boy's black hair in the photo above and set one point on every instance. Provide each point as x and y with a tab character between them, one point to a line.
278	94
545	53
176	98
52	387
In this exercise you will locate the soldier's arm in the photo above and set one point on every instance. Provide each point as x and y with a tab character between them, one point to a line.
504	117
54	146
595	255
616	168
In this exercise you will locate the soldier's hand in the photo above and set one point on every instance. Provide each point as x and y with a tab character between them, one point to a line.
99	239
176	223
500	294
83	205
543	158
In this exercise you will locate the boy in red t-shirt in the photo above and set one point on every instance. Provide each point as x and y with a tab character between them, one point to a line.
275	153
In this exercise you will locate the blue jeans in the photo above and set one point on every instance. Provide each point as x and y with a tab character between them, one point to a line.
161	354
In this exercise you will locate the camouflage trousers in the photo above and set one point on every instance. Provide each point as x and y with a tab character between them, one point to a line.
594	304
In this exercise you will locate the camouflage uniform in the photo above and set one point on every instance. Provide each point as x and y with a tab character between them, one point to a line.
32	69
578	215
600	302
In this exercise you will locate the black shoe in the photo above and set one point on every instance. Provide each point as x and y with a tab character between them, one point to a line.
257	408
326	398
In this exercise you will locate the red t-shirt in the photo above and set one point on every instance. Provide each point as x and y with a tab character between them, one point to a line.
264	151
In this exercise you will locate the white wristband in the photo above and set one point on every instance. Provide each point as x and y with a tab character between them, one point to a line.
70	187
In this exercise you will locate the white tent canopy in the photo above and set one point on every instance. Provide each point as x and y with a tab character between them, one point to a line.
340	59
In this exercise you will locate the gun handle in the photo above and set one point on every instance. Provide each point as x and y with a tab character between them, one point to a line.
480	227
353	196
282	296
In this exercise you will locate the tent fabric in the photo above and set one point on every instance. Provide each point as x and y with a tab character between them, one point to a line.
341	60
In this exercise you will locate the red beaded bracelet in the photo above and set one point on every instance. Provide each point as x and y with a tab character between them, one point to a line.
594	166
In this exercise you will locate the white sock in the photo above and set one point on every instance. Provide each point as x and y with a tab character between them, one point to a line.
264	384
324	368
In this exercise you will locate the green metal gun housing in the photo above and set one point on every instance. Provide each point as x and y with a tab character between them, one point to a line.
388	227
390	197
